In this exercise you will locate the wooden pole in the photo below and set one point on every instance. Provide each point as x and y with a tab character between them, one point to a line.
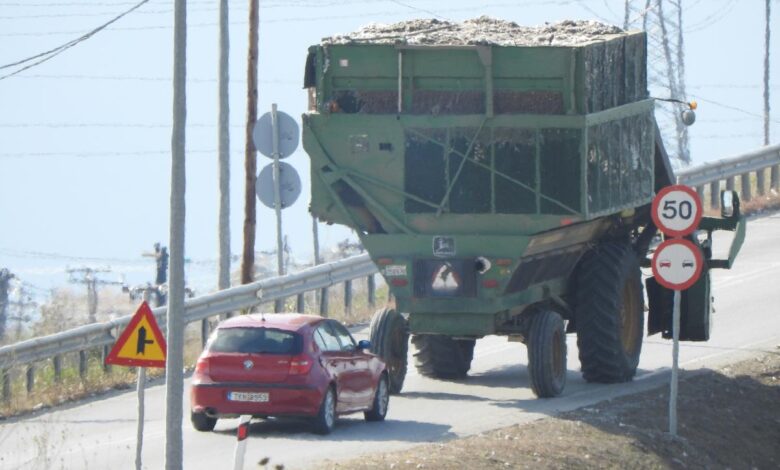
250	154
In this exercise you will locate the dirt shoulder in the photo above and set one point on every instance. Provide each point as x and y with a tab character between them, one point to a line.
728	418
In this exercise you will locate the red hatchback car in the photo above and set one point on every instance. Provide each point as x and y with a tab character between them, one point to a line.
286	365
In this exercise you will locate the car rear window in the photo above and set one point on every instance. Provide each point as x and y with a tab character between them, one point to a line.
256	341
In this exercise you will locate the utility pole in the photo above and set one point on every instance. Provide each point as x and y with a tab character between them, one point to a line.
250	155
5	284
223	281
174	376
88	277
774	180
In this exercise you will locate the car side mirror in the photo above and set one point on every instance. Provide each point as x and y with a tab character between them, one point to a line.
364	344
729	204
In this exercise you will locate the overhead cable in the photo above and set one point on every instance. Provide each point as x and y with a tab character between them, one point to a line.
50	54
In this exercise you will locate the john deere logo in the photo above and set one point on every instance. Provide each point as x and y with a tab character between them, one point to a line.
248	364
443	246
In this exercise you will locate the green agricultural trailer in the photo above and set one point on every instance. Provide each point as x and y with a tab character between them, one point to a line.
501	189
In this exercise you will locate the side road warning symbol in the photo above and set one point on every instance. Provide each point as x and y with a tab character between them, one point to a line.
141	343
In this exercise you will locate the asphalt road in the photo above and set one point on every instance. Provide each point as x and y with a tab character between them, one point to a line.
100	433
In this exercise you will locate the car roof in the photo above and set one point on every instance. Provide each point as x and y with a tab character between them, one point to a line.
281	321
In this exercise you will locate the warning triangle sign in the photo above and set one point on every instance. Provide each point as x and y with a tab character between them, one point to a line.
141	343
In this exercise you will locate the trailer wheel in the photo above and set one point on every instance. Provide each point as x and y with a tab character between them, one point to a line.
547	354
390	341
609	313
443	357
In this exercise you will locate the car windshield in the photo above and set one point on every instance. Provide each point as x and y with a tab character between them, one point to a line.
256	341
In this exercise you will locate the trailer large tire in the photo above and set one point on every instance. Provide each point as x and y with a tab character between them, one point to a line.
547	354
609	313
390	341
443	357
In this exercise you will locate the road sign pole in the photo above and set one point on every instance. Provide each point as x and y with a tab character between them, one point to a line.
677	263
241	433
675	364
277	198
139	437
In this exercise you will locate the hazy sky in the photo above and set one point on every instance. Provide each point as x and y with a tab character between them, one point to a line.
85	137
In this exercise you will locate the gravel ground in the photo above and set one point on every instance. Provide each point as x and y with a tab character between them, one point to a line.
482	30
729	418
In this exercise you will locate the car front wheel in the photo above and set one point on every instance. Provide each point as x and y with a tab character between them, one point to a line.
381	400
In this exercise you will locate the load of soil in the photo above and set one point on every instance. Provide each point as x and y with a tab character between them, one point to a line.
728	418
483	30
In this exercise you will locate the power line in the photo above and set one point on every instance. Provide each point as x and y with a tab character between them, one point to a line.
423	10
122	125
166	80
50	54
141	153
734	108
302	19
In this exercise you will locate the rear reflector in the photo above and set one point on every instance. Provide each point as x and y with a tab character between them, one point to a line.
300	365
504	261
243	431
399	282
384	261
490	283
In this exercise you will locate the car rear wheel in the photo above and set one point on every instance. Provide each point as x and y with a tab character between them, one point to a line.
202	422
325	420
381	400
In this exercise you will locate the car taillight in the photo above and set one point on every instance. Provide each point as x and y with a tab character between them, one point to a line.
300	365
202	367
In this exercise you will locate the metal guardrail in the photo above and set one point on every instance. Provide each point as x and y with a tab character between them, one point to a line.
99	335
730	168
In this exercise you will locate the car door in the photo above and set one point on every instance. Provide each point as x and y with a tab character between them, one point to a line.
334	360
357	373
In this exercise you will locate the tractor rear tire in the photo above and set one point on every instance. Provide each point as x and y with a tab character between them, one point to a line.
547	354
443	357
609	313
390	340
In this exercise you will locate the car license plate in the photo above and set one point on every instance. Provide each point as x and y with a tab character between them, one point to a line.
248	396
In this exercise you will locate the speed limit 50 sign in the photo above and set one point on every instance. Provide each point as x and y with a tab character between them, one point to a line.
677	210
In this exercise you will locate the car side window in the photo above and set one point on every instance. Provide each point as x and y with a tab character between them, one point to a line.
326	339
346	340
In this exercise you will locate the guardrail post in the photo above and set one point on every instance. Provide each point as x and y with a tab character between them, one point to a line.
279	305
300	303
5	376
57	361
30	378
730	183
700	192
775	177
106	352
347	298
760	181
82	364
715	195
371	291
324	302
205	331
746	192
